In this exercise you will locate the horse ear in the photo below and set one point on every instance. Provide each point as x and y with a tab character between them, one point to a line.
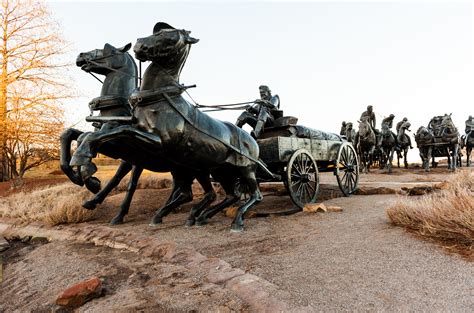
191	40
188	39
108	48
125	48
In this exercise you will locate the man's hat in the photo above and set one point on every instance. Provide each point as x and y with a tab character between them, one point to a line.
264	87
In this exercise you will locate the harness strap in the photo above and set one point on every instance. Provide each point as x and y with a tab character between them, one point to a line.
259	162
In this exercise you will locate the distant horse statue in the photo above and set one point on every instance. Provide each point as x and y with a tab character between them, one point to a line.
365	142
120	80
424	139
469	144
180	132
403	144
387	143
450	136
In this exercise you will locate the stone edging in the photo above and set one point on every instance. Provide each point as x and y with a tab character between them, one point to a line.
253	290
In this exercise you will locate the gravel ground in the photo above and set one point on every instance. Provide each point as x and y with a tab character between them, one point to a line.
349	261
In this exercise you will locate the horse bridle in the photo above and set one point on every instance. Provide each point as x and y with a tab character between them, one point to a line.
94	56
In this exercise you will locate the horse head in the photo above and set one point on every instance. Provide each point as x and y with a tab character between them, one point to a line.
103	61
423	135
166	45
364	128
385	130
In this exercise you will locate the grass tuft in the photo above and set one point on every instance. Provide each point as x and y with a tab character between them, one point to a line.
446	216
58	204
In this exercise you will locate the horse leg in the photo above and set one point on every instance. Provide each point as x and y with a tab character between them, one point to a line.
248	173
405	153
390	159
132	186
66	138
182	193
232	196
92	142
468	155
428	158
209	197
123	169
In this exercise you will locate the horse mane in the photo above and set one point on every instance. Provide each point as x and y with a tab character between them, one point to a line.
135	68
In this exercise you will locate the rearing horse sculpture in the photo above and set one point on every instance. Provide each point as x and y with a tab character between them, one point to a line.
120	80
181	133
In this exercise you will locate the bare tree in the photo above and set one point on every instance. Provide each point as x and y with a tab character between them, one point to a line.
32	86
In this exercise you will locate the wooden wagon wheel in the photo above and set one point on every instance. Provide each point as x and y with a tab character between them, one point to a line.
302	178
347	169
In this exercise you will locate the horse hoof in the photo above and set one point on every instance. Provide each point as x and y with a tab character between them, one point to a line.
118	220
156	221
89	205
201	222
236	228
189	223
93	184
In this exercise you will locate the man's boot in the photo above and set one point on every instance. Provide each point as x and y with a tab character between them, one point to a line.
258	129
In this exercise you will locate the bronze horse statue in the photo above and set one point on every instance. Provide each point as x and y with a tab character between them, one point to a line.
440	141
387	143
120	72
365	142
403	144
424	139
179	132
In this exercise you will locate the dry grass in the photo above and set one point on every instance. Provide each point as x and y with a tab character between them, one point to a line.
446	216
146	182
62	204
59	204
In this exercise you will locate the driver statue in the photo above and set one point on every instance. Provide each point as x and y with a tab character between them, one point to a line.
469	128
262	114
343	128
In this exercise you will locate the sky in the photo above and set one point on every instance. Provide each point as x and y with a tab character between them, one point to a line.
326	60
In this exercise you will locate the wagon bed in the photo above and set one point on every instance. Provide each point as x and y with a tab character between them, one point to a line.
297	161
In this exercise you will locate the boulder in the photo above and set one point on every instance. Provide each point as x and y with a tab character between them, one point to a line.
80	293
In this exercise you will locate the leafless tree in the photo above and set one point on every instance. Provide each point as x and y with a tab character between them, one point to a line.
33	84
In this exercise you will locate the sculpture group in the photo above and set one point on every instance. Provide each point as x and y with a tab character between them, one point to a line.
439	139
152	126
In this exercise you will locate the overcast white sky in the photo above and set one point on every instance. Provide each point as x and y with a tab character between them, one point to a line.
326	60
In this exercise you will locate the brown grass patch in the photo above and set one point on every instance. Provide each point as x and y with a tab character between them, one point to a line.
59	204
446	216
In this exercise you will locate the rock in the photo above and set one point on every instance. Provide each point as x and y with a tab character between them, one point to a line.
4	245
334	208
365	191
442	186
418	190
80	293
315	207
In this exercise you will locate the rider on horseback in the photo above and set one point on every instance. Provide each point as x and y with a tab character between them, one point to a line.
369	116
400	124
262	114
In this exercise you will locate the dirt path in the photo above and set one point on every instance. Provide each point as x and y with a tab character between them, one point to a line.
351	261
